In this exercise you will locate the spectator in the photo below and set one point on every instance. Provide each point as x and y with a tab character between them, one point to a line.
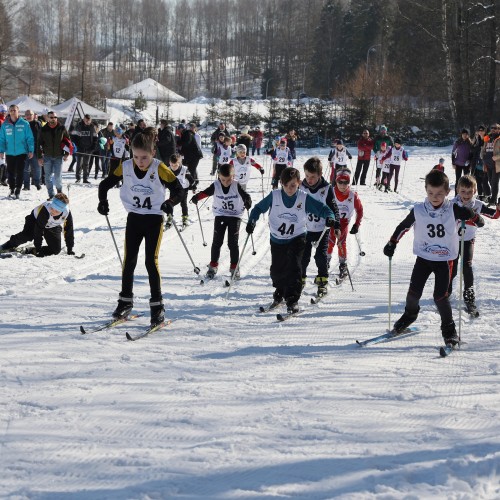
3	167
381	137
87	140
31	167
476	163
245	138
53	137
291	140
489	164
141	126
166	142
129	133
16	142
214	138
190	150
365	146
496	174
108	133
460	156
258	138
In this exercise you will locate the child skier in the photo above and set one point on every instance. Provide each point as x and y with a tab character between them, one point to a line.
316	186
281	158
466	197
440	165
215	151
119	149
242	164
348	202
288	210
224	152
436	245
145	180
338	158
47	221
394	157
230	199
383	167
187	182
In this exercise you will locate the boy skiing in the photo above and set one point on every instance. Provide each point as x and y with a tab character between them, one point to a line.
383	168
230	199
145	180
187	182
338	158
224	152
394	157
436	245
242	166
466	197
316	186
46	221
288	210
119	148
281	158
348	202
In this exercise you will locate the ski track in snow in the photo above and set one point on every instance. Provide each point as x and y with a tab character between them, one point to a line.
226	402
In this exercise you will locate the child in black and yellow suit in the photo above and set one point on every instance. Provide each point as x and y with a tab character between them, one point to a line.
143	195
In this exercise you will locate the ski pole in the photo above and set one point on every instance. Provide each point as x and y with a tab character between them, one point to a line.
262	185
402	178
462	244
196	268
316	243
201	227
359	246
251	237
373	170
390	295
237	266
114	241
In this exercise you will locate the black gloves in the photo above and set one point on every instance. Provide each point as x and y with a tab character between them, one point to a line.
250	227
167	207
103	207
261	171
194	199
354	229
70	251
389	249
330	222
247	203
479	221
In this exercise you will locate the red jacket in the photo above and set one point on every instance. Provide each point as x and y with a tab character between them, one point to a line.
365	146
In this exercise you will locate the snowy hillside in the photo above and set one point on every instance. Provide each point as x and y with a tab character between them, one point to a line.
226	403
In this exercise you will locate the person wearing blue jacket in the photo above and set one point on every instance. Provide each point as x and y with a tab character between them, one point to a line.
16	143
289	209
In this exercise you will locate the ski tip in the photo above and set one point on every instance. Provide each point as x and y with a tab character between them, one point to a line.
129	337
279	317
82	330
360	343
262	309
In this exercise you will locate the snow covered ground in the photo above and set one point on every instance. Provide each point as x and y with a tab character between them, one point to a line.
226	403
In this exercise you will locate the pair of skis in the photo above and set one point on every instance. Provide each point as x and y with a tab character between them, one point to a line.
7	254
115	322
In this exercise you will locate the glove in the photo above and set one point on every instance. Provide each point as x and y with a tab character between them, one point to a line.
70	251
389	249
247	204
330	222
354	229
167	207
250	227
103	207
261	171
479	221
194	199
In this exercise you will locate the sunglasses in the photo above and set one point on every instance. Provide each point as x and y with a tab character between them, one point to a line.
345	183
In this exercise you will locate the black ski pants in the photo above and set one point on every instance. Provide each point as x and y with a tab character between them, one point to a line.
468	273
361	171
232	224
320	256
15	171
442	271
286	268
150	229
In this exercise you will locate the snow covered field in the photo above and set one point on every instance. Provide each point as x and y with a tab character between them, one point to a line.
226	403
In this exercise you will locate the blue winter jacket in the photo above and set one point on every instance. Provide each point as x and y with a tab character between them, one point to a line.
16	138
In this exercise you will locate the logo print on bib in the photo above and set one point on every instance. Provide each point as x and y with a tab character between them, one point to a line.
139	188
288	216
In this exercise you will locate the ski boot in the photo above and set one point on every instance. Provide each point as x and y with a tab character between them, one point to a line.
449	333
169	222
124	307
292	307
235	274
470	301
405	321
212	271
277	298
157	312
185	221
322	285
342	270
